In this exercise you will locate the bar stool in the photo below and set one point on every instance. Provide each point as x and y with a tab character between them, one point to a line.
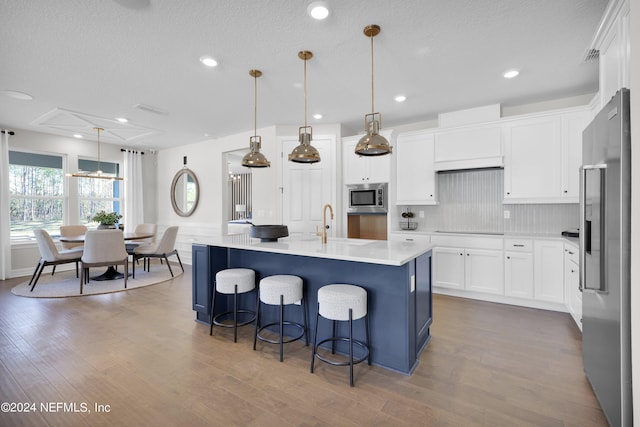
232	281
342	302
281	290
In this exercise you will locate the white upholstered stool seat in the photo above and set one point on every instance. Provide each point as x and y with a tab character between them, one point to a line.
342	302
281	290
232	281
226	280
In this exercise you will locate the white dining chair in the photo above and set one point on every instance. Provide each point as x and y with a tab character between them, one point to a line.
162	249
49	255
69	231
103	248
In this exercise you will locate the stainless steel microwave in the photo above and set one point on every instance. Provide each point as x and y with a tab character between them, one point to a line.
367	198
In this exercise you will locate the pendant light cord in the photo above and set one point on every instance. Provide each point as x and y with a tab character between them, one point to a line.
372	105
255	104
305	93
98	130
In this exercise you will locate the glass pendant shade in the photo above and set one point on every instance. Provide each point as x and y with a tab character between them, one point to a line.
305	152
254	158
372	144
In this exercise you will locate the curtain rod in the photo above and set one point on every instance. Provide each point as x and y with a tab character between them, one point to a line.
124	149
10	132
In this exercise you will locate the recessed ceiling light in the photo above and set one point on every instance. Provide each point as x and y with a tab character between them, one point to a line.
317	116
511	74
208	61
122	119
17	95
77	135
400	98
318	10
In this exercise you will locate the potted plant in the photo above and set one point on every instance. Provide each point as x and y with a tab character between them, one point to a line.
106	220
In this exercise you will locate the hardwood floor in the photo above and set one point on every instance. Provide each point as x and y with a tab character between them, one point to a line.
141	353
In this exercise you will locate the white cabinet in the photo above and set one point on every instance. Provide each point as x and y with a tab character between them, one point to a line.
542	158
415	177
468	263
549	271
483	271
448	267
613	42
518	268
572	296
472	147
572	126
364	169
533	159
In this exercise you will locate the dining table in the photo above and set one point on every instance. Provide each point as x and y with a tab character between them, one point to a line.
111	273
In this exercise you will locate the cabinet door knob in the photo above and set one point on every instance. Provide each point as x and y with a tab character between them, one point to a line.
508	257
508	193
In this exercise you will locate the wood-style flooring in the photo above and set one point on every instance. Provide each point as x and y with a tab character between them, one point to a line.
141	355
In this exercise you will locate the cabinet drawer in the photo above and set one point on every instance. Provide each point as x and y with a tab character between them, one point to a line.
518	245
572	252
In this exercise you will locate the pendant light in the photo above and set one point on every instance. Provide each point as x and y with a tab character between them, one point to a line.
305	152
255	159
98	173
372	144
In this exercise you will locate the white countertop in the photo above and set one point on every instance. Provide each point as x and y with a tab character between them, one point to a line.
360	250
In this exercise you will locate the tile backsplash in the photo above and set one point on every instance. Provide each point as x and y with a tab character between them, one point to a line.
471	200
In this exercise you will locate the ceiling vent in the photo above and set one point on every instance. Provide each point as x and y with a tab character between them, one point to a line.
591	55
150	109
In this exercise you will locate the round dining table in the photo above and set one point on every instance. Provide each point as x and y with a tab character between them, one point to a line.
111	273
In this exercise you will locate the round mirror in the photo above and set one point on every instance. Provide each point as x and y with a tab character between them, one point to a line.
185	192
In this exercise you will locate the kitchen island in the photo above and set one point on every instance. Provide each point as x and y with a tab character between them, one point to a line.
396	275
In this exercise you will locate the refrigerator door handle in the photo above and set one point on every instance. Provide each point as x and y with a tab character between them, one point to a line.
592	220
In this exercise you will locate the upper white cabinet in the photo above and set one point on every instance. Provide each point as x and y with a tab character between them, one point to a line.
542	158
364	169
613	43
415	176
572	126
533	159
467	148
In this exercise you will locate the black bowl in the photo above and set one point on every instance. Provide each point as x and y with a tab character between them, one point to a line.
268	233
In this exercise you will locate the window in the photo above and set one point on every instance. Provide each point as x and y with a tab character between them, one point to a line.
36	193
96	194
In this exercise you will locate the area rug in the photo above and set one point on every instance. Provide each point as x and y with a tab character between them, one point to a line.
66	284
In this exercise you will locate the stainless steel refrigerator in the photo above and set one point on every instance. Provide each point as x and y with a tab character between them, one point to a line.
605	247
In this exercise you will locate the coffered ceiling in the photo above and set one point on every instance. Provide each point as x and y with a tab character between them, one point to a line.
87	62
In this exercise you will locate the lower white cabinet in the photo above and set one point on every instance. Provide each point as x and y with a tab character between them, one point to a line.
472	269
572	296
483	271
518	268
512	270
549	271
448	267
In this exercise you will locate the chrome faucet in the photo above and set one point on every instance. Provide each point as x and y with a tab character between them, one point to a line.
325	227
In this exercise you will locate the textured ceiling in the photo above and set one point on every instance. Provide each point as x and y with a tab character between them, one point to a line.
98	59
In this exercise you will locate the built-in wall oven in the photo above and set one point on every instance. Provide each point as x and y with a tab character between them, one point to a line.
367	211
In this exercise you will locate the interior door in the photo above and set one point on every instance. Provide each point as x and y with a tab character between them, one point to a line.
306	188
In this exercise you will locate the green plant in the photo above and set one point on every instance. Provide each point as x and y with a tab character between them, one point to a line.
106	218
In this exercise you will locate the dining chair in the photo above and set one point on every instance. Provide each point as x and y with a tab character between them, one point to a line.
103	248
142	229
49	255
72	230
162	249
